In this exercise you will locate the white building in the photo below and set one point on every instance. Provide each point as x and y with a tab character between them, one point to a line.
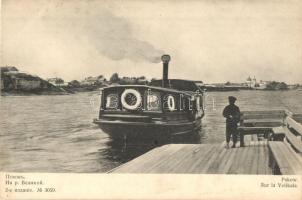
56	81
251	82
93	80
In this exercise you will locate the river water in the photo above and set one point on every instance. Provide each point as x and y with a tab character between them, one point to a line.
56	133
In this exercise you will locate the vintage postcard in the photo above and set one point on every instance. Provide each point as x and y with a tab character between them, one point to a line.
160	99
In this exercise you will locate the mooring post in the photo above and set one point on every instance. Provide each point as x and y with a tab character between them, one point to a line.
241	138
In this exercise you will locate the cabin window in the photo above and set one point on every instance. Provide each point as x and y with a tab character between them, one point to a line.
182	102
170	102
153	101
191	103
112	101
198	103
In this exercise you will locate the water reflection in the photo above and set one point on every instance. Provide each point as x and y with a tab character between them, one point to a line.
121	151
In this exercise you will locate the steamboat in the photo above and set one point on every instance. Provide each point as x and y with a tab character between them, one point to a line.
162	109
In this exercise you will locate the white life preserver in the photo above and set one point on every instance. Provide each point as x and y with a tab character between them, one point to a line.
171	103
138	99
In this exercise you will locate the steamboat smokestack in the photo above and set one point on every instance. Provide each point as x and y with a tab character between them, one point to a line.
165	59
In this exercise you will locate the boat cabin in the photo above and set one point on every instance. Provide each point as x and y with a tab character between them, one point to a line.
167	106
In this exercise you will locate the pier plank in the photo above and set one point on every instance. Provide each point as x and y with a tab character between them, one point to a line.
202	159
266	161
297	118
162	164
171	164
214	166
261	161
294	124
186	166
264	122
280	154
295	159
263	112
255	159
148	159
230	161
249	159
202	165
237	164
206	166
199	163
262	116
287	164
241	168
293	140
223	161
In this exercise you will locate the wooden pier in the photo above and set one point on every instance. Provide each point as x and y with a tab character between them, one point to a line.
270	143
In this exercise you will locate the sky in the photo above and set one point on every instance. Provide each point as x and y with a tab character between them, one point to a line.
210	40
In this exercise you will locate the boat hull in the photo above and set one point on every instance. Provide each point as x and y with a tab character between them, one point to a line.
149	131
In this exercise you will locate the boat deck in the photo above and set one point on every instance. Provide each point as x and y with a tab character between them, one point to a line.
202	159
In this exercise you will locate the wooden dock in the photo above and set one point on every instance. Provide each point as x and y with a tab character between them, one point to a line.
201	159
270	148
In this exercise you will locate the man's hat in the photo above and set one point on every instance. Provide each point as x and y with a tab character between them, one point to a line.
231	98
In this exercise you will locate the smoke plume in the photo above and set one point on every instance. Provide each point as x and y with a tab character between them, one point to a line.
113	37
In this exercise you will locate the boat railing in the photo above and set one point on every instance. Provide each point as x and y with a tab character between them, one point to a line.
271	125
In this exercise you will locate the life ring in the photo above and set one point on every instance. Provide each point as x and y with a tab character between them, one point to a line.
171	103
136	94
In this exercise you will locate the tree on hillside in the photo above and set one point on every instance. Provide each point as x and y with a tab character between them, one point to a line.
276	86
114	78
74	83
59	81
282	86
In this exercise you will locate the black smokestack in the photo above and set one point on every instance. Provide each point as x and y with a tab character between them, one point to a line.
165	59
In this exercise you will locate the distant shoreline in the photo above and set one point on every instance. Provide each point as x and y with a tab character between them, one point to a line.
55	93
22	93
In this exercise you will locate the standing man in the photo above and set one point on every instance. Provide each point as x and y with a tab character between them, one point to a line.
232	114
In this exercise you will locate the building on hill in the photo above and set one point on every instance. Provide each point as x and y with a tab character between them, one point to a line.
262	85
254	84
133	80
142	80
8	69
74	83
15	80
251	82
26	84
56	81
97	80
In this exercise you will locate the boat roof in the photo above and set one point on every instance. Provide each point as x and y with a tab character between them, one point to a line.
151	87
178	84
